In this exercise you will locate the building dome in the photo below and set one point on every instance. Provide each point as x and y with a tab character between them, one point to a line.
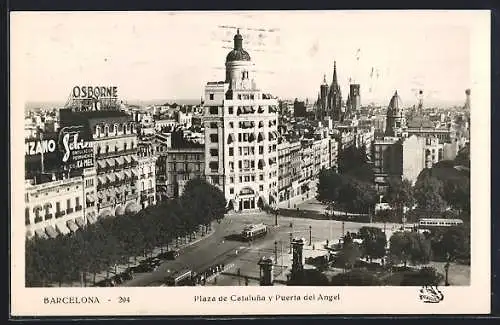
395	105
238	53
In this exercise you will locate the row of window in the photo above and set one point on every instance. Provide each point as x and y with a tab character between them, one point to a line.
116	148
249	151
37	210
214	110
106	130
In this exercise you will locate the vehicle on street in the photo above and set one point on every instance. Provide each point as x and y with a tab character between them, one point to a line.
180	278
254	231
439	222
169	255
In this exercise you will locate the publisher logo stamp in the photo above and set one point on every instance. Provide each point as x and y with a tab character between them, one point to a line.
430	294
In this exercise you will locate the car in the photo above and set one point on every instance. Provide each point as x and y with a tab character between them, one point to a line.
126	276
142	268
169	255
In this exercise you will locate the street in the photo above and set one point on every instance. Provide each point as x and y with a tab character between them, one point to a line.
220	248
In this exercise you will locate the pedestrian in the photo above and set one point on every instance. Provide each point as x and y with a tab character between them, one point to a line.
215	280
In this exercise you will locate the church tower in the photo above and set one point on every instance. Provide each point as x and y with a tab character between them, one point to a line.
335	98
396	120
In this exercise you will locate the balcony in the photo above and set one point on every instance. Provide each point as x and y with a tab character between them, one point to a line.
116	153
59	214
78	208
150	191
150	175
38	219
69	210
48	216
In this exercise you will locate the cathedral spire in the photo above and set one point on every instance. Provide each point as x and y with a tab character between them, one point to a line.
334	81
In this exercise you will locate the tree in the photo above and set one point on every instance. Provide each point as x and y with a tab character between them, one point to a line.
329	186
429	194
457	193
374	242
409	247
203	201
311	277
399	194
349	254
451	243
426	276
356	277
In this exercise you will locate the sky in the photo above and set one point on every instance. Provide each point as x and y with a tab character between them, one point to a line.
164	55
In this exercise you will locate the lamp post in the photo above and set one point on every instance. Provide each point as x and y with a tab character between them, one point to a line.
291	239
310	235
446	269
275	252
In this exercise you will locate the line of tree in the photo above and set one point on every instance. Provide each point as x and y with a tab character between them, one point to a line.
113	241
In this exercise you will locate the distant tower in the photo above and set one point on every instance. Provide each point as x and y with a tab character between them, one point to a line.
335	98
467	99
354	98
396	121
323	99
420	107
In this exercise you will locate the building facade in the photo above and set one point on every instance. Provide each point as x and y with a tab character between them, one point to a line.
241	135
398	157
115	145
182	165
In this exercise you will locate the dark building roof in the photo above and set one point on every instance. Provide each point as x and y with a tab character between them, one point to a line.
89	119
420	122
238	53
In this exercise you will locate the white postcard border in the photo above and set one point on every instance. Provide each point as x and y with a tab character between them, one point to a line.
474	299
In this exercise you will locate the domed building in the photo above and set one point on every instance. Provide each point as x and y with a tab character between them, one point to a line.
241	134
396	120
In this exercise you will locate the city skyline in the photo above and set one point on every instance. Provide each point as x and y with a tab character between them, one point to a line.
432	55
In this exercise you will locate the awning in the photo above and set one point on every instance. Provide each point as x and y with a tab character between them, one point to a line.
134	158
135	172
41	233
127	159
120	176
119	160
111	177
101	163
127	173
51	231
90	218
80	222
72	225
101	179
111	192
62	229
90	197
110	162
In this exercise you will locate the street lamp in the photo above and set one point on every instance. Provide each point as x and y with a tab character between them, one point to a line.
446	269
276	252
310	235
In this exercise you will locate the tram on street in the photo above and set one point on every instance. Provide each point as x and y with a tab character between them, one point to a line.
254	231
439	222
180	279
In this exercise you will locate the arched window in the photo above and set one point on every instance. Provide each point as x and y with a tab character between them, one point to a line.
98	150
97	130
106	130
150	184
142	185
120	128
125	146
107	149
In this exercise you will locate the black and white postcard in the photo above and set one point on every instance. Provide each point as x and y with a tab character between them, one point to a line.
249	163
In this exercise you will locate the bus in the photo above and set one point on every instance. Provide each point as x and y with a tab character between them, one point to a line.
180	279
254	231
439	222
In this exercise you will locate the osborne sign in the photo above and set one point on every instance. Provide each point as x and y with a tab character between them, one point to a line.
94	92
